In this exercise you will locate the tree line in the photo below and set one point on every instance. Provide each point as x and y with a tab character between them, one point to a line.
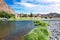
4	14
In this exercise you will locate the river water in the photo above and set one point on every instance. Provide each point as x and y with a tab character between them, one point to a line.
15	30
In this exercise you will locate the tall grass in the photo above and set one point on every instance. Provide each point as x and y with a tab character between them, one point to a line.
38	33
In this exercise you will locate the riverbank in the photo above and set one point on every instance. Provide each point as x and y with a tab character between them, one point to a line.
31	18
21	18
28	18
54	27
40	32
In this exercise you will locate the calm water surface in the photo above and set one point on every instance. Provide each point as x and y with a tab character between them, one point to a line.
15	30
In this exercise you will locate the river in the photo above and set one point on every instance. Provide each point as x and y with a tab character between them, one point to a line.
15	30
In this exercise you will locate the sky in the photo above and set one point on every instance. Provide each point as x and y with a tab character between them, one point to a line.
34	6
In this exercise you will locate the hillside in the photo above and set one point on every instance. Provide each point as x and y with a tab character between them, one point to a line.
5	7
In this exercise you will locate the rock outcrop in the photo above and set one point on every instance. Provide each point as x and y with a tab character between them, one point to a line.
5	7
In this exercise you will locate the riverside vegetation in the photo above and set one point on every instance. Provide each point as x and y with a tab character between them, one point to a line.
39	33
7	15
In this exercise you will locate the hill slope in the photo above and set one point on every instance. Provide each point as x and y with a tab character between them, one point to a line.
5	7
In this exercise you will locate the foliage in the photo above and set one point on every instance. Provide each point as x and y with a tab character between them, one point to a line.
23	18
41	23
31	15
4	14
38	33
24	15
12	19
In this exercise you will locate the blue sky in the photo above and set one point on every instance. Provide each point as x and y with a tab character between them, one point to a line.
34	6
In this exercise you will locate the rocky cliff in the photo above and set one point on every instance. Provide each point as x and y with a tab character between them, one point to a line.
5	7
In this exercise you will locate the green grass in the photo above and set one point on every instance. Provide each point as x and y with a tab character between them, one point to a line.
11	19
21	18
27	18
39	33
24	18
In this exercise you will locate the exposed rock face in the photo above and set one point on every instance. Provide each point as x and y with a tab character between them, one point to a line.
5	7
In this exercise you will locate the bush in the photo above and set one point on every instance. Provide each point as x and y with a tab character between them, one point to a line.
38	33
41	23
4	14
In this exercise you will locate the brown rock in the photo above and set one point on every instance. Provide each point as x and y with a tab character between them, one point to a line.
5	7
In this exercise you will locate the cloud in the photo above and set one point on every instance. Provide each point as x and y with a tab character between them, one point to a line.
29	5
47	1
23	6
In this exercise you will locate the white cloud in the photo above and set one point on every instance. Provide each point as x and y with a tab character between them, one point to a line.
53	0
41	1
29	5
41	8
47	0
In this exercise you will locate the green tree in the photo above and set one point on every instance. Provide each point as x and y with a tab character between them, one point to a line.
31	15
4	14
24	15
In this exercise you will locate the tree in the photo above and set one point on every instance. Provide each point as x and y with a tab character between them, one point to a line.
31	15
4	14
24	15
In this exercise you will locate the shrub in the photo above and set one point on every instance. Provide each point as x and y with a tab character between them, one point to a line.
41	23
4	14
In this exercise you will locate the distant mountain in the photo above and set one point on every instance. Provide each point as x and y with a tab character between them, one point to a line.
5	7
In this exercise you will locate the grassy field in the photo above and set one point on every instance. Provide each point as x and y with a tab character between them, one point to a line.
23	18
31	18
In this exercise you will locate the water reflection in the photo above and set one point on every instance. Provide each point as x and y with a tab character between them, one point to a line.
14	30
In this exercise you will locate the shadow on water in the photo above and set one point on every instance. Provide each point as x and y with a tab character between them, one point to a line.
15	30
